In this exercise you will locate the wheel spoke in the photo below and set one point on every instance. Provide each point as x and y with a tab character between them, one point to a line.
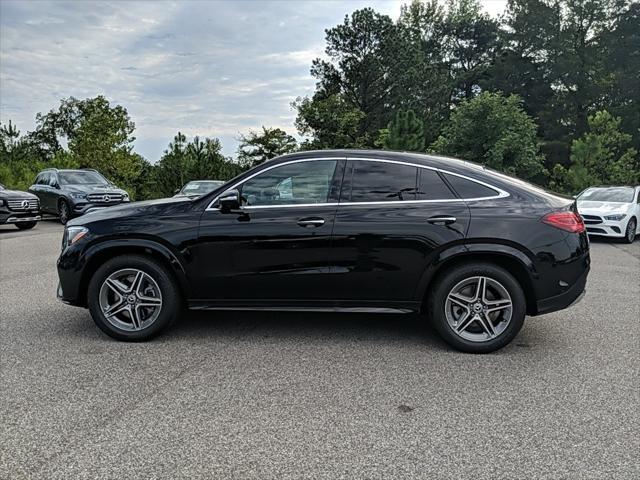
481	289
135	318
496	305
465	322
137	282
117	286
460	300
487	326
149	302
115	309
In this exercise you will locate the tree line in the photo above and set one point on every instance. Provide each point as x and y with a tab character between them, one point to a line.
550	92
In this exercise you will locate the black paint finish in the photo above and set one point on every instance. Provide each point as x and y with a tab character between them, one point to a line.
362	256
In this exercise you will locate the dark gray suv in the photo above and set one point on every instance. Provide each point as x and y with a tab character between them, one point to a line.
70	193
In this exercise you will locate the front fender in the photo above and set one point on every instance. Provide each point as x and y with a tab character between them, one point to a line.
75	268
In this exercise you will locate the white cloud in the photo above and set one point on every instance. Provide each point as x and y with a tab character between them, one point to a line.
204	68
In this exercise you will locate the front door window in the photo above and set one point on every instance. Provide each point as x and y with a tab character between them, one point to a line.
298	183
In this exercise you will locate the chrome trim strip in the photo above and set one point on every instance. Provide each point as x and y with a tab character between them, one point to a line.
23	219
501	193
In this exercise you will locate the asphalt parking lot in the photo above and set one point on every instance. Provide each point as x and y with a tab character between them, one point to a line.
248	395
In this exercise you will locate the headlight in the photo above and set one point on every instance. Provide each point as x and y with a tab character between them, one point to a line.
615	218
125	197
72	235
79	196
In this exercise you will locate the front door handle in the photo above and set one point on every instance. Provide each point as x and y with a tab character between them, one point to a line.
441	220
311	222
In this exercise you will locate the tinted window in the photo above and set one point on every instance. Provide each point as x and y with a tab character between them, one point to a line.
82	178
382	182
612	194
43	179
53	180
296	183
431	186
469	189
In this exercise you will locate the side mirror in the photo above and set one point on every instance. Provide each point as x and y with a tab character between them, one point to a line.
229	200
176	191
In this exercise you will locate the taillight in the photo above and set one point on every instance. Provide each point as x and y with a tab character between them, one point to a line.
568	221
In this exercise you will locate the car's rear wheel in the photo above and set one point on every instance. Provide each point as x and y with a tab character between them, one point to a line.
133	298
630	233
477	308
25	225
64	212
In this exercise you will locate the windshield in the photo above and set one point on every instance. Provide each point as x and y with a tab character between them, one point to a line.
200	188
82	178
612	194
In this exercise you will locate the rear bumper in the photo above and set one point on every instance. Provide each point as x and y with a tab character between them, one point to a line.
571	296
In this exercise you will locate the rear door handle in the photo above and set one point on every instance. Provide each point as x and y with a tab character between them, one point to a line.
441	220
311	222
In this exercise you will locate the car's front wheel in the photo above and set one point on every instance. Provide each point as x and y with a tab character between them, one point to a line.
630	233
25	225
133	298
477	308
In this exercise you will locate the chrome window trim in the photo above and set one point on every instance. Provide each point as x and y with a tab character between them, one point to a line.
500	193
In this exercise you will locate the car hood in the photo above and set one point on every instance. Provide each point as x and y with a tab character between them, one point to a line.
128	210
588	206
16	194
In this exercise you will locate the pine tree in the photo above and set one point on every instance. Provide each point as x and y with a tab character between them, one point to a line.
405	132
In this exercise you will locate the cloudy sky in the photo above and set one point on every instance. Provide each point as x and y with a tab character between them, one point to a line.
208	68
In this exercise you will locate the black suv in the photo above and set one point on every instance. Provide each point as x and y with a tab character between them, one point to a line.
69	193
19	208
367	231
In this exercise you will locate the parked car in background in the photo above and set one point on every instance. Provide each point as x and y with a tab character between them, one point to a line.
21	209
611	211
367	231
70	193
198	188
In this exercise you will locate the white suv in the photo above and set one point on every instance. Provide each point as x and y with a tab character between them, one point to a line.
611	211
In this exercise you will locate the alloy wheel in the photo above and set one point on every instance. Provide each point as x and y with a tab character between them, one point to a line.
130	299
478	309
631	231
64	213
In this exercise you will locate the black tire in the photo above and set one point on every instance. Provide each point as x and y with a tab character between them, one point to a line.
64	213
171	298
452	277
25	225
630	232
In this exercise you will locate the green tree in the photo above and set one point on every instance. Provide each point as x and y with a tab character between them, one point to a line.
405	132
494	130
184	161
329	123
258	147
602	156
567	59
355	81
98	136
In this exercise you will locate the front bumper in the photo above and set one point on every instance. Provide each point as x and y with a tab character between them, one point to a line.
19	217
598	225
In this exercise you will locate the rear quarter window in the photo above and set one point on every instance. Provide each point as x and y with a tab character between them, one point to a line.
431	186
469	189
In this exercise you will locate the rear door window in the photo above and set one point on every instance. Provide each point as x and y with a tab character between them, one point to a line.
371	181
